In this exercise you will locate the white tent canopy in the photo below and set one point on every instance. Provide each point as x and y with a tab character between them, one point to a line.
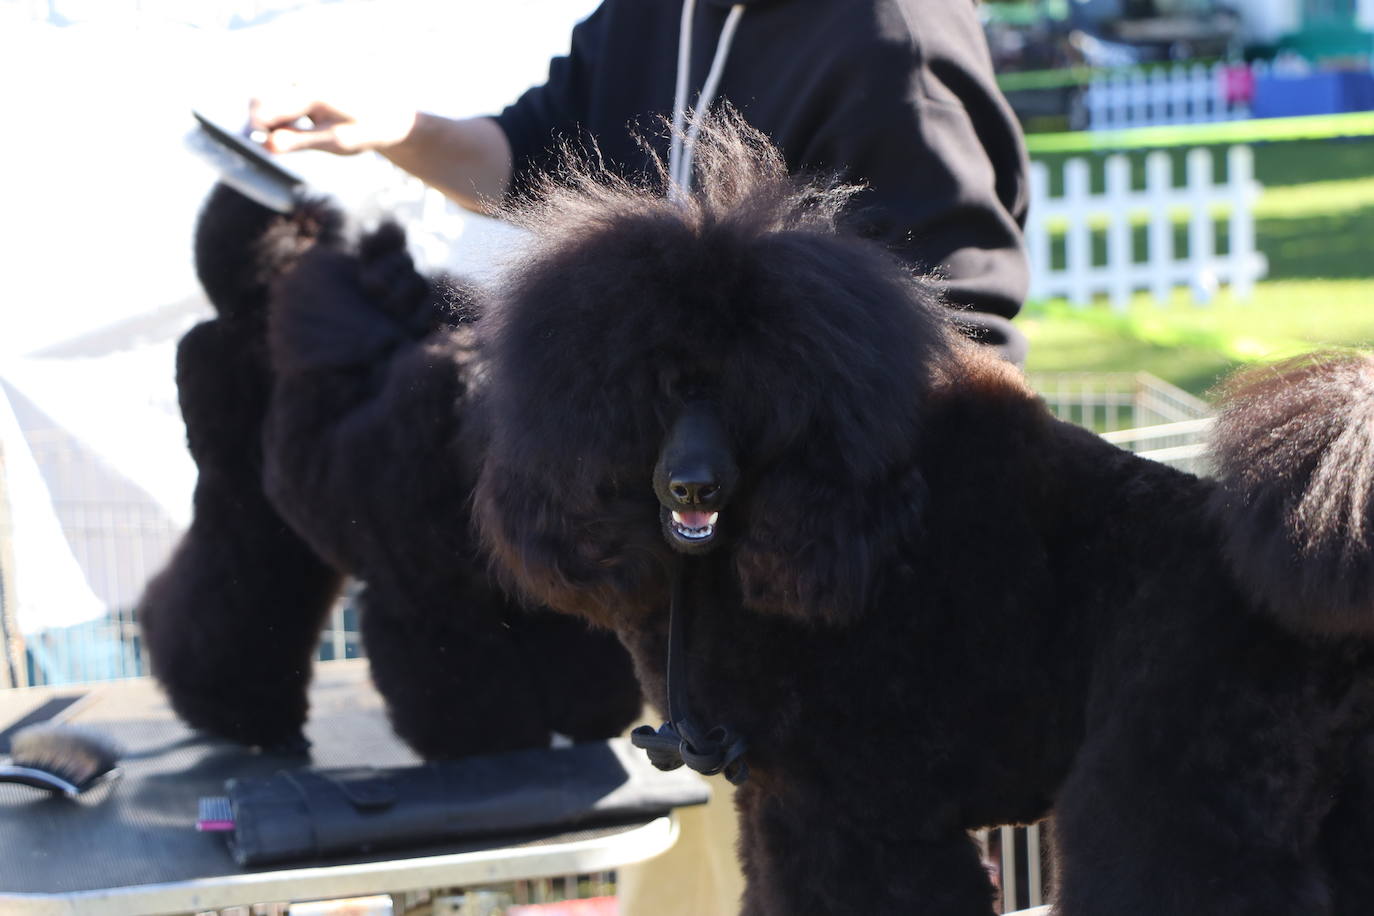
48	587
97	481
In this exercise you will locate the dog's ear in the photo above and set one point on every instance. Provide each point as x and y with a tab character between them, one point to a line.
815	547
571	555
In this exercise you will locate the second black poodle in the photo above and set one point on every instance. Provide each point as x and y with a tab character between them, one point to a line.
370	455
325	411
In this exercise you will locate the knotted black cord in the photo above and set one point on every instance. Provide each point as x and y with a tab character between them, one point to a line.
678	740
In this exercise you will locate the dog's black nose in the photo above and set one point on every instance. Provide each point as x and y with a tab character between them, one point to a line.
694	489
695	471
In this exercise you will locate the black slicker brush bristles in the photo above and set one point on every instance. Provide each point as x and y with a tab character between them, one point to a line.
60	759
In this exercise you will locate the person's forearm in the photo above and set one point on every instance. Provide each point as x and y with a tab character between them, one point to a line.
469	160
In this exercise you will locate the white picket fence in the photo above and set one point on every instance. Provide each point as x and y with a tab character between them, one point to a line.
1178	94
1078	215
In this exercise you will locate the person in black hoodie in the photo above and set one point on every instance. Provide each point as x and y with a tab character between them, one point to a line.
896	95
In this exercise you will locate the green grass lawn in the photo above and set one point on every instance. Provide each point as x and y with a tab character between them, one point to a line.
1193	346
1315	223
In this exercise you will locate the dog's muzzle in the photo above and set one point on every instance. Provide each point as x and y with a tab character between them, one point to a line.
693	478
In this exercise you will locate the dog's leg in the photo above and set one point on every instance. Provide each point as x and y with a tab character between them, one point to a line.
230	624
1348	836
371	478
454	680
1216	811
367	452
1119	866
584	675
364	455
805	851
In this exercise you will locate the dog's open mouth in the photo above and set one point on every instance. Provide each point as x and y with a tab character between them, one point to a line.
691	530
694	526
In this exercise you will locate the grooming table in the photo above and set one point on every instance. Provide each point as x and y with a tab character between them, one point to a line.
131	847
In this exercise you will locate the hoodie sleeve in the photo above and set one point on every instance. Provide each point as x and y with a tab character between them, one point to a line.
920	122
557	110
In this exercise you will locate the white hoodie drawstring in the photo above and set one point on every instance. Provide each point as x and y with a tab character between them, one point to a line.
680	152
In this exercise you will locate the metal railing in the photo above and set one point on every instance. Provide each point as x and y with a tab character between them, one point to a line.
1106	402
1017	858
1182	444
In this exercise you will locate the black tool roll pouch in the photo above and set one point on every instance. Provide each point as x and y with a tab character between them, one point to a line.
308	813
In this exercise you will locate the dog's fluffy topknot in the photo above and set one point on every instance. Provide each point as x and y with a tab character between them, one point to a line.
739	176
1294	448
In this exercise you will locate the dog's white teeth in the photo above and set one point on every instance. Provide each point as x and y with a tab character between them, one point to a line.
695	525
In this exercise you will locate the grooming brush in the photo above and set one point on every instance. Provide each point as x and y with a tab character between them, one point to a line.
245	165
60	759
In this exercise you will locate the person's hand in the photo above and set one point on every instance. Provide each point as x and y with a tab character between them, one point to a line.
295	121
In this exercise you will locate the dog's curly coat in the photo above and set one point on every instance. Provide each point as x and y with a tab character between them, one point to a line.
930	606
232	620
325	410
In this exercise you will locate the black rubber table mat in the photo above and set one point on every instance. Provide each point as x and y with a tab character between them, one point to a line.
140	829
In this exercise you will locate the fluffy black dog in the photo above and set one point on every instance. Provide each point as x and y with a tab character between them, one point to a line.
356	435
920	603
232	622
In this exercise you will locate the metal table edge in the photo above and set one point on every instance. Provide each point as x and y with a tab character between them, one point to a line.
487	866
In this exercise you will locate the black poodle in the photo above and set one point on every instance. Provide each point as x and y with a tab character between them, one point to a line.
231	623
357	437
906	601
